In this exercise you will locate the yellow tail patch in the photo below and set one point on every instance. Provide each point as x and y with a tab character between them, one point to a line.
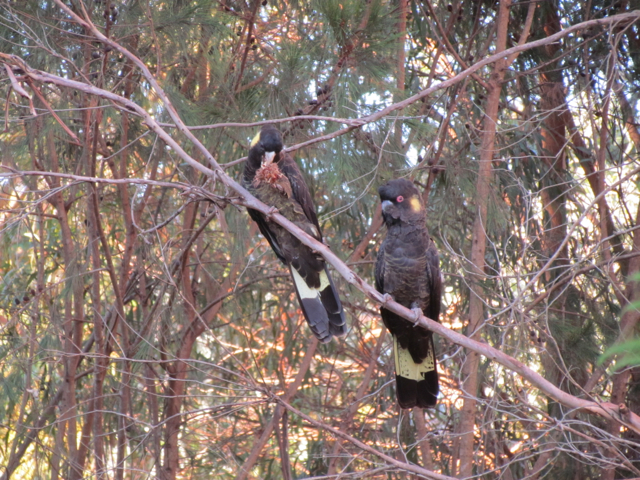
406	367
304	290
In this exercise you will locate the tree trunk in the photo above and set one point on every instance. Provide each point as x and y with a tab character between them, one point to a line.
469	372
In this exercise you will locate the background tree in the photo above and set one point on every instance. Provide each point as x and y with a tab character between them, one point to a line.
146	330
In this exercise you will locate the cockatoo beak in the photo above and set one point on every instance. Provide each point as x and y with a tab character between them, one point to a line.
268	157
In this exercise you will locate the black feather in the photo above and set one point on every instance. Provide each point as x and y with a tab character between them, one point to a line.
408	269
314	287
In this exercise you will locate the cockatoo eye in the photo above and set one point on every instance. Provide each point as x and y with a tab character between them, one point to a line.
400	199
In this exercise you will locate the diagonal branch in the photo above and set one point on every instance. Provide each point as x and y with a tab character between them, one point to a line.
408	467
39	94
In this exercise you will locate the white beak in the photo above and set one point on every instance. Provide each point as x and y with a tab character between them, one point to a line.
386	204
268	157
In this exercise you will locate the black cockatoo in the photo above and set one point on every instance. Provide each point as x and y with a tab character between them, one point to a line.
408	269
274	178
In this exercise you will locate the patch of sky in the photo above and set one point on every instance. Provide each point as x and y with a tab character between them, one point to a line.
373	101
412	156
303	450
489	18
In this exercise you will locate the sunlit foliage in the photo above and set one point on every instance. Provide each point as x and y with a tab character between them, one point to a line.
148	331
